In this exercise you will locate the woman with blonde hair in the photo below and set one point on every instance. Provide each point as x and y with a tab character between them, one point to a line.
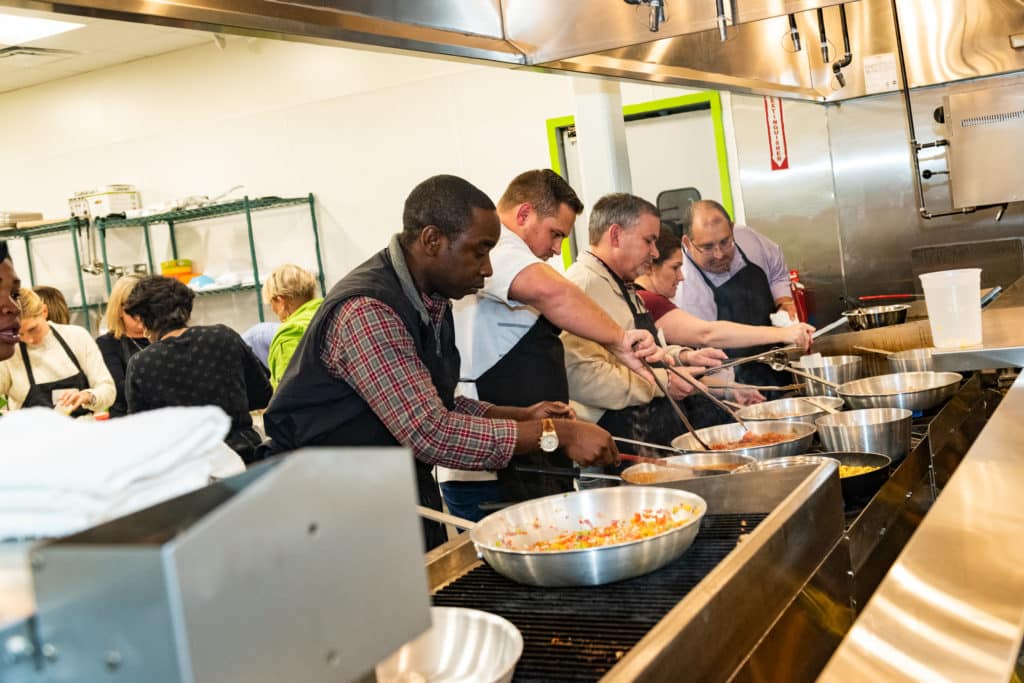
54	362
291	293
125	337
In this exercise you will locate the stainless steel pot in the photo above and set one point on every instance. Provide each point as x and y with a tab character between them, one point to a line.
872	430
800	437
910	390
914	360
790	409
545	518
870	317
835	369
705	463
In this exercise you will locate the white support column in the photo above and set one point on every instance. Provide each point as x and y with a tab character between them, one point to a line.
601	145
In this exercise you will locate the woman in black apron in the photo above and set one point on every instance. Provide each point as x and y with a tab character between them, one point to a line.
40	394
746	298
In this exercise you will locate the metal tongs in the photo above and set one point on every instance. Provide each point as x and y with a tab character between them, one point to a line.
779	363
760	356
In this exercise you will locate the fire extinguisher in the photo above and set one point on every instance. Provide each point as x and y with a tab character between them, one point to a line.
799	293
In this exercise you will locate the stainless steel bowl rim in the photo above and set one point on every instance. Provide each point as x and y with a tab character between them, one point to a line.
950	377
787	461
845	418
749	412
686	496
781	425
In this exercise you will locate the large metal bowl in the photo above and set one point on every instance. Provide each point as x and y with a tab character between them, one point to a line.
835	369
872	430
914	360
703	464
910	390
788	461
462	645
870	317
801	435
545	518
790	409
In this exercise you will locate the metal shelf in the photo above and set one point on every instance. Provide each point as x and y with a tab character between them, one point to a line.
42	230
203	212
226	290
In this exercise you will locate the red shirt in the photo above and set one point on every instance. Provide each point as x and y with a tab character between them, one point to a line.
655	303
368	347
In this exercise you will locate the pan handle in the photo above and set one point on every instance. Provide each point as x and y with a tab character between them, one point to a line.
444	518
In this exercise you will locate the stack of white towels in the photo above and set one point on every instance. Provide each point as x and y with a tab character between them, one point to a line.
59	476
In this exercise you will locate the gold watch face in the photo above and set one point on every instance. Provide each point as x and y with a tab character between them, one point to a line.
548	442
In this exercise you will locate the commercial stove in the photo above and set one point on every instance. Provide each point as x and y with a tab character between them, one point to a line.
774	579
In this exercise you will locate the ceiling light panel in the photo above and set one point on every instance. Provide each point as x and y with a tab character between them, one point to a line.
18	30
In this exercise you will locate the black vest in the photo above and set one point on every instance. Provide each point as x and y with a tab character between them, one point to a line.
311	408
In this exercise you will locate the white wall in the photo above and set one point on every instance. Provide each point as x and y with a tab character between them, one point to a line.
357	128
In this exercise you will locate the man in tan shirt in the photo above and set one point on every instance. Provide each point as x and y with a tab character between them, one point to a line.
623	232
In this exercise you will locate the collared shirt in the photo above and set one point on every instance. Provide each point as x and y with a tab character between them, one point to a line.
368	347
696	298
597	380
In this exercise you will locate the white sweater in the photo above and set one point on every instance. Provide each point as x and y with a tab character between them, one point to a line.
50	363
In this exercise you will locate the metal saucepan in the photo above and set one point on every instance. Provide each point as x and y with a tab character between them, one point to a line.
870	430
913	360
835	369
790	409
798	438
702	464
910	390
500	537
870	317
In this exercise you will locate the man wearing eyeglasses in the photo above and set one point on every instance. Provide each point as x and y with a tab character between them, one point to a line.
733	273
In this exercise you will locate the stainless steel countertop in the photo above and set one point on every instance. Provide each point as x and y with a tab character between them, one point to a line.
952	606
1002	332
17	601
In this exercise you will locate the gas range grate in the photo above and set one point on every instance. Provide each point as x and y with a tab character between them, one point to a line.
578	634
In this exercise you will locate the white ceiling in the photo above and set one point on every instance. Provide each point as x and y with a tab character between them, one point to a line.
99	44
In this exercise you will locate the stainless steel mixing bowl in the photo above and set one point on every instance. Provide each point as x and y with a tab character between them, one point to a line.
462	645
872	430
910	390
799	438
914	360
790	409
836	369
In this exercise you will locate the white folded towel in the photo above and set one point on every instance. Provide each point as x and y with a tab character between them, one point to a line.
43	449
59	476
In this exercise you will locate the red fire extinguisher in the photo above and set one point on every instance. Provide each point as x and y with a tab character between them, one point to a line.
799	295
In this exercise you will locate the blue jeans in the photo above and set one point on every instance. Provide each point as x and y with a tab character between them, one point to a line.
464	498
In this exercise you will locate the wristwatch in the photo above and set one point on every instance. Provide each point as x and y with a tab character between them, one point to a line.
548	436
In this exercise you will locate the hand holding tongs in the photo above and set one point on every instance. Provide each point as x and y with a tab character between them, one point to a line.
675	406
749	359
704	390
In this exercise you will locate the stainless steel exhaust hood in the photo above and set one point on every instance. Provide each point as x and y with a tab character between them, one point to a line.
792	48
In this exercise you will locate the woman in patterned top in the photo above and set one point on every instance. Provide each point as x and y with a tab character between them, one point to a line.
192	366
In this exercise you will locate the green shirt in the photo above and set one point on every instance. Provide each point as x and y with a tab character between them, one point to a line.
287	338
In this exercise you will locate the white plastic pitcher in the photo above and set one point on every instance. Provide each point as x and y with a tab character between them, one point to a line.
953	298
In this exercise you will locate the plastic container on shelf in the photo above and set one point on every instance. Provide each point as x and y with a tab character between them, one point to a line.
953	298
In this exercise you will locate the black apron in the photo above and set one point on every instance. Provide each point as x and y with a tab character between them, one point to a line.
532	371
656	421
746	298
41	395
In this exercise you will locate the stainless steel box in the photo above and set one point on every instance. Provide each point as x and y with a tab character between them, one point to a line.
308	569
986	145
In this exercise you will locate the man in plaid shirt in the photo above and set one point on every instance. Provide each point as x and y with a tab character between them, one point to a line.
378	364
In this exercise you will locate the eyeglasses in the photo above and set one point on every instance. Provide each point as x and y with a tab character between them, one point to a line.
723	246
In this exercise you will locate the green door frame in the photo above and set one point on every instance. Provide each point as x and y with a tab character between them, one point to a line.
708	99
